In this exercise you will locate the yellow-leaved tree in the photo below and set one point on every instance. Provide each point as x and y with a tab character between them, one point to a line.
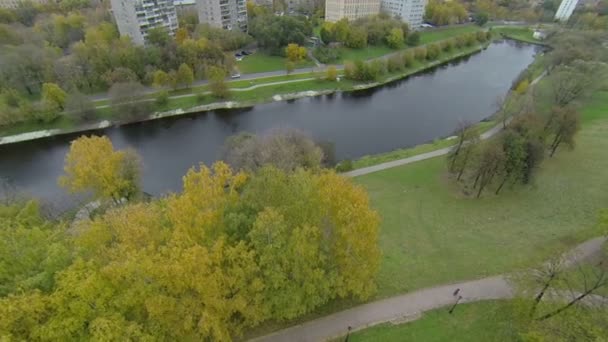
92	165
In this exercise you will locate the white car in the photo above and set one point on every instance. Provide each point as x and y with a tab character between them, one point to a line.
236	76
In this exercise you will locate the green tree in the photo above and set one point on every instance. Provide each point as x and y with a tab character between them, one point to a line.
433	51
160	79
413	38
184	76
92	165
481	18
53	94
395	38
289	67
563	128
331	74
217	82
357	38
80	107
420	53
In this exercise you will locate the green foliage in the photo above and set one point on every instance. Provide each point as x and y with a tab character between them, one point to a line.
481	36
217	83
420	53
327	55
32	250
184	76
413	38
344	166
331	74
275	32
408	59
54	95
229	40
162	98
433	51
80	107
395	38
445	13
395	63
481	18
356	38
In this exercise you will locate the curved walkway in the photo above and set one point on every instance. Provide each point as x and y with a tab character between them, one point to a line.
409	306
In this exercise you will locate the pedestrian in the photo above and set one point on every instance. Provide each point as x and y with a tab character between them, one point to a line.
347	334
456	292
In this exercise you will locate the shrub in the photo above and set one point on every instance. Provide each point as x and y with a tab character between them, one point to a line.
413	38
344	166
447	45
460	42
395	63
326	55
432	52
349	70
162	98
481	36
470	39
408	59
420	53
331	74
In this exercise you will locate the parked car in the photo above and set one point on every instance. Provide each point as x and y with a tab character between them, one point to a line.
236	76
239	58
238	55
245	53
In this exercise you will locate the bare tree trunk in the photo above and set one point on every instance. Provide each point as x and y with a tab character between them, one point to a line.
565	307
502	184
541	294
556	142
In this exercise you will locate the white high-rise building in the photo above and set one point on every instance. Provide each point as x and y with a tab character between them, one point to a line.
410	11
135	17
350	9
565	10
226	14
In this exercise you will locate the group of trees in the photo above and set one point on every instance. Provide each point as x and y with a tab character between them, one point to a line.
441	12
232	250
274	33
545	118
77	49
372	30
372	70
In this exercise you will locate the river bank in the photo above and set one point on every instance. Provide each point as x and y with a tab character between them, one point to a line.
318	89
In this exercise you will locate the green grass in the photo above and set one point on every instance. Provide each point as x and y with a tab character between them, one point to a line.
262	62
483	321
433	35
369	52
431	234
523	34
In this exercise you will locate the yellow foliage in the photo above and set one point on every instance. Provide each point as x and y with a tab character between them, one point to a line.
522	87
93	165
295	53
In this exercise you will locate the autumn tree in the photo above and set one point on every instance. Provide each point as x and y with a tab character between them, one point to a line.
92	165
568	83
285	149
295	53
331	74
515	155
54	95
289	67
217	82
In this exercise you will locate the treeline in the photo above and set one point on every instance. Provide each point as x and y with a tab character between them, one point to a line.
79	51
373	70
545	119
230	251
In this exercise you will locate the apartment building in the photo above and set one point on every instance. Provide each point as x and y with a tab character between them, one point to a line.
410	11
16	3
565	10
135	17
226	14
350	9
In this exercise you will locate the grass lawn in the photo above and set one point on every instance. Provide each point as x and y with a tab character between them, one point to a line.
262	62
483	321
372	51
431	234
524	34
433	35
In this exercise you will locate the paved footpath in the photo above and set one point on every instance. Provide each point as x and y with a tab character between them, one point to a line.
410	306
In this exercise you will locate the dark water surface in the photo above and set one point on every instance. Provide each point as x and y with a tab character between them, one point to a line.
401	114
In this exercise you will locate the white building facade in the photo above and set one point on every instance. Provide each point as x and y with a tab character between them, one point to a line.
410	11
136	17
565	10
226	14
350	9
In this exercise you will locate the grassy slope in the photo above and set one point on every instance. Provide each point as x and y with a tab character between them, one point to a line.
431	235
434	35
524	34
469	322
